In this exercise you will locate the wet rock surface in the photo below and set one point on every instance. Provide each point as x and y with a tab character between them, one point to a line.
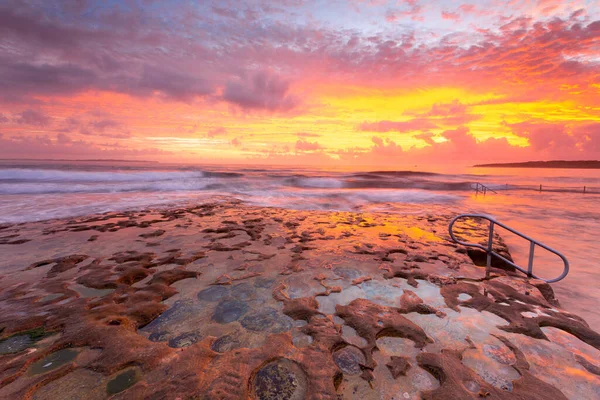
185	339
225	343
398	366
15	344
280	380
213	293
53	361
267	319
349	360
229	310
122	381
228	301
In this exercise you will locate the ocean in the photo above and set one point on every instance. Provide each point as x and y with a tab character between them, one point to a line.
559	215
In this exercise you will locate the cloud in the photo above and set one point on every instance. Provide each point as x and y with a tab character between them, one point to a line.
441	109
452	16
560	140
220	131
307	134
27	78
21	78
20	23
173	84
236	142
3	119
260	91
412	10
544	136
268	62
385	147
427	137
33	117
304	145
417	124
454	113
63	146
101	124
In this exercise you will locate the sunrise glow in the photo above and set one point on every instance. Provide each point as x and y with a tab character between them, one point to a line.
301	82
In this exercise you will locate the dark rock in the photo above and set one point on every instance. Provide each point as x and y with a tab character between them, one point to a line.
347	273
185	339
280	380
349	359
156	233
242	291
213	293
229	310
264	283
181	310
225	343
159	337
267	319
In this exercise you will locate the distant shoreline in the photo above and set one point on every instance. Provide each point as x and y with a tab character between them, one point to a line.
587	164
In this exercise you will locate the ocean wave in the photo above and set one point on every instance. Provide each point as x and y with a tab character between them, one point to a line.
377	183
396	173
49	187
402	196
344	199
19	174
318	183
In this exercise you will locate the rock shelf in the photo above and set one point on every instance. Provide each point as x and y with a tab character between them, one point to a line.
229	301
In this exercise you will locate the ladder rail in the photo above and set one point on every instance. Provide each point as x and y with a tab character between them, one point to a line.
483	189
490	251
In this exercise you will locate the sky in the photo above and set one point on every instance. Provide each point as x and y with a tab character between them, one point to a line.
301	82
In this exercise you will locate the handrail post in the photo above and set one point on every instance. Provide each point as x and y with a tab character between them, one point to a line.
491	253
530	264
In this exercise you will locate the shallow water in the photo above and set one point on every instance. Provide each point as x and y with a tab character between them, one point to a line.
560	216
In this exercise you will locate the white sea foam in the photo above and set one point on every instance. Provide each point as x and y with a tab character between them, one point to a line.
22	174
323	183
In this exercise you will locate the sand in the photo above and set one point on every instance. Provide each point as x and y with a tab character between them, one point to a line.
228	301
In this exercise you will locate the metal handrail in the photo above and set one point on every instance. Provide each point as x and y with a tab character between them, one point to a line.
483	189
490	252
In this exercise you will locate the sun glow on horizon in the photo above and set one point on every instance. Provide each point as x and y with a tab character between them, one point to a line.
279	87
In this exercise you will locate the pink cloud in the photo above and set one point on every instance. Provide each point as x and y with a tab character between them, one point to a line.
385	147
63	146
304	145
417	124
96	124
452	16
216	132
560	140
307	134
33	117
